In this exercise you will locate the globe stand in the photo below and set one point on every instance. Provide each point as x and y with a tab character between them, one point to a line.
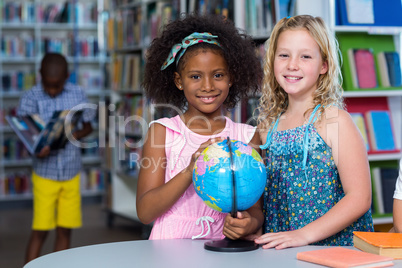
227	244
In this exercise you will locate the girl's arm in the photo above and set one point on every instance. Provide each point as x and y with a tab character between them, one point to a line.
250	221
397	208
397	215
154	196
247	224
350	156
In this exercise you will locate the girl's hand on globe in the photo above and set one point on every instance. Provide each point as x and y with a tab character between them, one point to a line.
202	148
283	240
236	228
197	153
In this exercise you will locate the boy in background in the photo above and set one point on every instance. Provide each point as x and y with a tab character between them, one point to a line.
56	173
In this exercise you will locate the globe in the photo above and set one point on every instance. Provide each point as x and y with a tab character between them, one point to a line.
212	176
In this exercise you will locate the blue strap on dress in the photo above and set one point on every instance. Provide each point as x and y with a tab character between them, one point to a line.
305	141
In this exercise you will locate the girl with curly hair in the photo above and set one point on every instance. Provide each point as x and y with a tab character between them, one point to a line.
199	66
318	187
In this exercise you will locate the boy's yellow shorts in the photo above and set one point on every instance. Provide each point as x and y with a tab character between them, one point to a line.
56	203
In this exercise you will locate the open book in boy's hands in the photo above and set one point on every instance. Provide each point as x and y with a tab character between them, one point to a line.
35	134
339	257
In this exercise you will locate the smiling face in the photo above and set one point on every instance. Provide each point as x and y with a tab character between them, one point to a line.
298	63
205	81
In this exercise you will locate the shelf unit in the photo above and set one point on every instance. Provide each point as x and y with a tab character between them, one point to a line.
81	40
131	27
393	96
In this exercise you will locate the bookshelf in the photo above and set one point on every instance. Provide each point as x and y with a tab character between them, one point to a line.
384	35
28	29
130	27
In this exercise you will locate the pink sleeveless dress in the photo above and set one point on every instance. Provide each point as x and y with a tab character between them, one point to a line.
189	217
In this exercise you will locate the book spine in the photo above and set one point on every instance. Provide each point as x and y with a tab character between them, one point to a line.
365	68
381	130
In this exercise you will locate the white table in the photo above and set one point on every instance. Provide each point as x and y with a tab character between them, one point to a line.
170	253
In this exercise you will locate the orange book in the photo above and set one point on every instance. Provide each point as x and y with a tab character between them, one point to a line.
381	243
339	257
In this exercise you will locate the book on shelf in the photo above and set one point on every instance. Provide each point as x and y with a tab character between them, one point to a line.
131	27
25	43
389	68
384	175
339	257
223	7
284	8
14	149
86	12
11	12
92	179
394	68
380	130
116	71
119	31
36	134
268	18
360	11
381	243
126	72
316	8
358	118
383	14
353	74
383	69
17	80
363	70
249	111
134	72
378	198
255	16
373	43
111	34
388	181
14	183
251	15
160	13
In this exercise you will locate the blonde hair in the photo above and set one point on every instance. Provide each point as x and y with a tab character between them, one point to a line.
274	99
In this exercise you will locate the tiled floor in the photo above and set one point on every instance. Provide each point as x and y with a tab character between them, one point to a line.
15	227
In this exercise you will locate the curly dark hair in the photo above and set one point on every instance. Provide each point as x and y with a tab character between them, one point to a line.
238	50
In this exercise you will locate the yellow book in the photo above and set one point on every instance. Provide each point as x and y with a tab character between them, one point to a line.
111	34
359	121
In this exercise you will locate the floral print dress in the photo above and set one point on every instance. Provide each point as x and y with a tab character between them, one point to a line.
294	197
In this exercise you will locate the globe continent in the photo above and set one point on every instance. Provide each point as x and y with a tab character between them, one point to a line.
212	176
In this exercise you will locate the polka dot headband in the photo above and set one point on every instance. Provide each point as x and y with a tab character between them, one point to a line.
178	50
